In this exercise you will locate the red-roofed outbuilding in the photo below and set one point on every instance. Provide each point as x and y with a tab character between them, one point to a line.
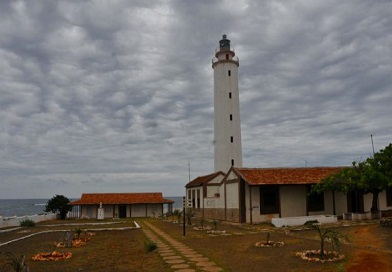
121	205
251	195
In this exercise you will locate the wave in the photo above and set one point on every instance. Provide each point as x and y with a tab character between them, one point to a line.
39	204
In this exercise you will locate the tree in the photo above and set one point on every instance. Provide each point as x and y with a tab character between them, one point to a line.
370	176
58	204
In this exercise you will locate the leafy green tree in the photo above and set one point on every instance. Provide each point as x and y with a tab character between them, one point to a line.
370	176
58	204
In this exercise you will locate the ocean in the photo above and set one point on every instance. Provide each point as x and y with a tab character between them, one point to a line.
22	207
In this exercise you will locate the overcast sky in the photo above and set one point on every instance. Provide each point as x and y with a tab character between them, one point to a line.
117	96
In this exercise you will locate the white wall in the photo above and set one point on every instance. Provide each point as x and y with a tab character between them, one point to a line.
367	202
109	211
89	212
232	195
293	200
15	221
138	210
340	203
212	191
154	209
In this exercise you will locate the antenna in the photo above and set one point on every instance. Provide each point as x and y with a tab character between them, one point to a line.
371	137
189	171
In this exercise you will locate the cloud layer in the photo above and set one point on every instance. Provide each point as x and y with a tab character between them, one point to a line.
115	96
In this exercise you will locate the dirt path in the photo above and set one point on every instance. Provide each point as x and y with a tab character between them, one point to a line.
370	257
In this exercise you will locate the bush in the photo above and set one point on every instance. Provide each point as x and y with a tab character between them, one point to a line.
27	223
150	245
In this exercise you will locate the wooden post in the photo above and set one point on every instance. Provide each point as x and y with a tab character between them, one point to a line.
183	215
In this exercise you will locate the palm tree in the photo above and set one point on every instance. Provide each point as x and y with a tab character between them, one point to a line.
324	234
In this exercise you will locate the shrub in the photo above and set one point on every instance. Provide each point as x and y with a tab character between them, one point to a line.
150	245
27	223
189	215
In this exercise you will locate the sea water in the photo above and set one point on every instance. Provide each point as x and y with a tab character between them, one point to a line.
22	207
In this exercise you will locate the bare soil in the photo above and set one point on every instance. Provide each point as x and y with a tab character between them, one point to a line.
369	248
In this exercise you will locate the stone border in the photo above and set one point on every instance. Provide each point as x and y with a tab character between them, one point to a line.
304	256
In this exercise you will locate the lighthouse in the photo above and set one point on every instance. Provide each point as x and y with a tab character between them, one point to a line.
227	123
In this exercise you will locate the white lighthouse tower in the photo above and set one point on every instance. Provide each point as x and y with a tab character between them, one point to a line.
227	124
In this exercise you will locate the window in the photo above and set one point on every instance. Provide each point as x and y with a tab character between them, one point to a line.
231	139
315	202
230	95
231	117
229	73
227	56
232	162
269	199
389	196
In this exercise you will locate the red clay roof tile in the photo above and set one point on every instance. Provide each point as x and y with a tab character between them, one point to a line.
281	176
122	198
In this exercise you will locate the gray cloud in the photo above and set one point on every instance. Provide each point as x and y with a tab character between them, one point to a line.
118	96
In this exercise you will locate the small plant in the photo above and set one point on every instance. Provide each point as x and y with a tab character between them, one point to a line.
325	234
27	223
176	212
202	221
17	264
150	245
215	224
189	215
267	242
78	232
160	216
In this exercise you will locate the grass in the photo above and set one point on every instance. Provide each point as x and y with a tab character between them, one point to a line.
371	246
121	250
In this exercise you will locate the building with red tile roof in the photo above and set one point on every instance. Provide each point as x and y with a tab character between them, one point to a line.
112	205
252	195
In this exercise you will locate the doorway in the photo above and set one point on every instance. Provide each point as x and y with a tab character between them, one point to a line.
355	202
122	211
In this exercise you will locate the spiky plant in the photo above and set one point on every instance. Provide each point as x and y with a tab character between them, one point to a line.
325	234
15	262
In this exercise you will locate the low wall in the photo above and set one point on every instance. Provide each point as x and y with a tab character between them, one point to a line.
300	220
15	221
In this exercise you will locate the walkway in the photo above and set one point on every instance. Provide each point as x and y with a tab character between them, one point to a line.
180	257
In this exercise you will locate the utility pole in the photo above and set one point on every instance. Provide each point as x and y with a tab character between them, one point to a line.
371	137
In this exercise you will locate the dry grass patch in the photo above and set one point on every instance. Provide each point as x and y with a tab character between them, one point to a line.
107	251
